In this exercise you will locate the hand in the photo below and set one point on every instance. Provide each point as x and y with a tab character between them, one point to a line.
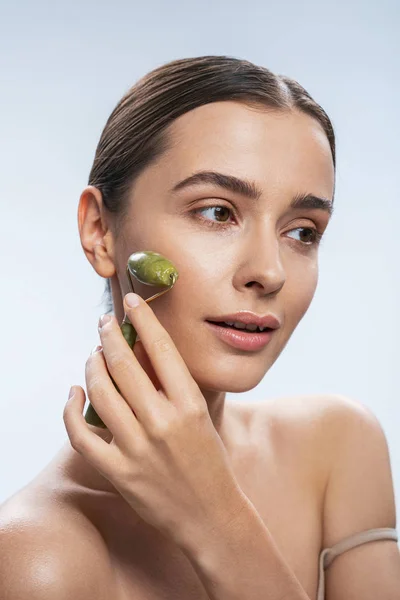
165	457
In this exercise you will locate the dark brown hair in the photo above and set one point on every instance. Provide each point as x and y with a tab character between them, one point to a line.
136	132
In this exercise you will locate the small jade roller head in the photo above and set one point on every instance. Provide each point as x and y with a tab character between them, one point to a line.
151	268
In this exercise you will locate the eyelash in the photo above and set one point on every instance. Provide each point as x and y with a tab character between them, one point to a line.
213	224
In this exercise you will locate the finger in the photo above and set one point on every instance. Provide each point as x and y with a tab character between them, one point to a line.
134	385
111	407
145	363
169	366
85	441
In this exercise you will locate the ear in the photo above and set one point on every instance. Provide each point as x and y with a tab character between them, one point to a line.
96	237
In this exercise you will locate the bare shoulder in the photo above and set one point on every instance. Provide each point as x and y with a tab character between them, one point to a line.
328	422
51	552
300	418
360	492
342	441
308	426
359	498
314	417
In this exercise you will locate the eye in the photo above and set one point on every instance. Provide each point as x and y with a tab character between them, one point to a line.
222	211
316	236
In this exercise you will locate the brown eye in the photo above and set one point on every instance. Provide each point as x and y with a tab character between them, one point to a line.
221	212
309	232
307	235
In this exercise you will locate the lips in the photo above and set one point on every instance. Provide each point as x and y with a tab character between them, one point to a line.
248	317
241	329
241	339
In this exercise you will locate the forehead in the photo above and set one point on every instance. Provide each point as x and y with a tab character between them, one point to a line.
252	142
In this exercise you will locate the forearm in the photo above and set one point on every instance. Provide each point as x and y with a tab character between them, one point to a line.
242	561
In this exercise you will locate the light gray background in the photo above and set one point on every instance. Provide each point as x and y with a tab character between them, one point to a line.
64	66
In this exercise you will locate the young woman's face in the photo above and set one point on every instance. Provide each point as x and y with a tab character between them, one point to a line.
251	254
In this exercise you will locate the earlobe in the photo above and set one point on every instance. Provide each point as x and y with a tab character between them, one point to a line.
102	263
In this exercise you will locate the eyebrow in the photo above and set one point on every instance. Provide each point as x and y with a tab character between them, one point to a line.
250	190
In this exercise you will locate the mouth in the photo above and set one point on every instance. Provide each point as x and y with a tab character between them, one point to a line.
241	338
242	330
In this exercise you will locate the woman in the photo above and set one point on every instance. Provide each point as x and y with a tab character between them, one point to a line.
227	170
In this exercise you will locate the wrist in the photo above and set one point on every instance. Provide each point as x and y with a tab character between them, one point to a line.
196	538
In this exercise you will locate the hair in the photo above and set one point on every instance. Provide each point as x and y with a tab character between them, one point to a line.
136	132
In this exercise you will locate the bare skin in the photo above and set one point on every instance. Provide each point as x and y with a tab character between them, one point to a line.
280	454
256	261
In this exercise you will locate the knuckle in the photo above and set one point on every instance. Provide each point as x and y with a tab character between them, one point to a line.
198	411
77	441
66	415
118	363
193	416
160	430
95	388
90	364
162	344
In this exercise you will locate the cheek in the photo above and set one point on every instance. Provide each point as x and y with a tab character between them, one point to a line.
196	272
300	292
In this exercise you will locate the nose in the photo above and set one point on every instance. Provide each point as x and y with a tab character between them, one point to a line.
263	267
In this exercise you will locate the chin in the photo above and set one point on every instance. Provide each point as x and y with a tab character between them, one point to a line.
240	388
231	373
229	383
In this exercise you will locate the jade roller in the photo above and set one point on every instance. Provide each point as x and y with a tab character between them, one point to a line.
149	268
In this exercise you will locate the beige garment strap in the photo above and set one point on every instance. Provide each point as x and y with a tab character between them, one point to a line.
329	554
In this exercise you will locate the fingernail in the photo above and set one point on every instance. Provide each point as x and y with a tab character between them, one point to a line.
104	319
71	392
96	349
132	300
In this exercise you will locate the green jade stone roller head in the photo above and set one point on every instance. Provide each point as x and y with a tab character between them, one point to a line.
149	268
